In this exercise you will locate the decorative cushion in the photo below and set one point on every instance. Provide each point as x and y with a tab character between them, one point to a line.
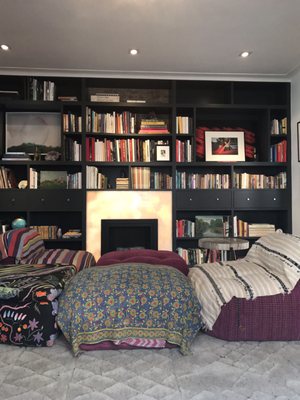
79	258
147	256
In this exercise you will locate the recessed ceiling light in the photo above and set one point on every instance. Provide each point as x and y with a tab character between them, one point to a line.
245	54
133	52
4	47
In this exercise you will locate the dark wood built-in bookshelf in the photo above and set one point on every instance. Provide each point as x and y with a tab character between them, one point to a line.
150	135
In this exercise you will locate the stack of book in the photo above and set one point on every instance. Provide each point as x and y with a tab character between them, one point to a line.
184	125
105	97
72	234
260	229
15	156
122	183
153	126
46	231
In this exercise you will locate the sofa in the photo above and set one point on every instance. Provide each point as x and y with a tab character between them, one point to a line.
254	298
31	281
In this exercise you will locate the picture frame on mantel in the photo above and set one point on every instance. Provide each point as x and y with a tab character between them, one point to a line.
298	140
224	146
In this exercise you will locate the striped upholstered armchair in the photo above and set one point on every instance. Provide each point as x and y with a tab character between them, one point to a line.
26	246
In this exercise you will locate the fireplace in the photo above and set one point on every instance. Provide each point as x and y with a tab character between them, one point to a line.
122	234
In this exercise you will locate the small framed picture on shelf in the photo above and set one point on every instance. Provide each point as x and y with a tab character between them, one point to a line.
224	146
298	140
162	152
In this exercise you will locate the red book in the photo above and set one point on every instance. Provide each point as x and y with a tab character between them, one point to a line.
92	149
87	149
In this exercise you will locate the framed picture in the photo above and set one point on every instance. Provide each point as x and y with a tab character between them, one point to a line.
210	226
53	180
162	152
298	140
30	131
224	146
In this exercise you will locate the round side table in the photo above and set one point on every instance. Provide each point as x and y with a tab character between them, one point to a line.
223	244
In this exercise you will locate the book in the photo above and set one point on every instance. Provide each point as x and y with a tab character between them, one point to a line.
67	98
135	101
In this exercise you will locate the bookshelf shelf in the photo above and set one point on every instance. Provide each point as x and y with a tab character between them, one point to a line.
251	107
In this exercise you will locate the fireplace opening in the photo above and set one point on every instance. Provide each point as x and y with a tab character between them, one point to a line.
124	234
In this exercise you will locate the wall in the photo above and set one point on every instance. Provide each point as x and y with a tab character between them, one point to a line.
295	117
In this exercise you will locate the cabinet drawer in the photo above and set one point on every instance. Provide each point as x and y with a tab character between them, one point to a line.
261	198
56	200
14	200
203	199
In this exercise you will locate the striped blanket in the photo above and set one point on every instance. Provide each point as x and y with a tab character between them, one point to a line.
272	266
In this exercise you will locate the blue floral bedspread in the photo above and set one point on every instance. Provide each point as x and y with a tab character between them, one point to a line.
129	301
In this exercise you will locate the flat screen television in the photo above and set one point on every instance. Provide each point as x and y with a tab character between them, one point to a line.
27	131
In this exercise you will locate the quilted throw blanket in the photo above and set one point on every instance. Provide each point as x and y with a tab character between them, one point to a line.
129	301
272	266
28	302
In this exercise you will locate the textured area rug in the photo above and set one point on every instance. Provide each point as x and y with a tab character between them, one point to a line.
217	370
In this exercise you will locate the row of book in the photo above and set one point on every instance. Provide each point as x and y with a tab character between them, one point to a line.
54	179
122	150
187	180
141	178
279	126
245	229
95	179
199	256
122	123
192	256
278	152
260	181
144	178
184	124
184	151
72	150
72	122
42	90
46	231
7	178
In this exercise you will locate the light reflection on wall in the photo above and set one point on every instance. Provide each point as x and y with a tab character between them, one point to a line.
128	205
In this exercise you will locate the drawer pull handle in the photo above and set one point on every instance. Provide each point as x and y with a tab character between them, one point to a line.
68	199
275	199
13	200
42	200
191	199
248	198
218	199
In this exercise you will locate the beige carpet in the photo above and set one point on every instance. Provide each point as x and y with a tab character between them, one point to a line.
217	370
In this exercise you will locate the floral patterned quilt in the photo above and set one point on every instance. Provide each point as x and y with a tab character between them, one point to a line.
28	302
131	300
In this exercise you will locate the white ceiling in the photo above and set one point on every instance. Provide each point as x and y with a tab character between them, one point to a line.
175	37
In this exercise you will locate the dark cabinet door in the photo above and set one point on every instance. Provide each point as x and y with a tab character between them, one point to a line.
14	200
260	199
205	199
56	200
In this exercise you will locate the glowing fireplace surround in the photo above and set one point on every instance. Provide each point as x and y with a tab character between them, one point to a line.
128	205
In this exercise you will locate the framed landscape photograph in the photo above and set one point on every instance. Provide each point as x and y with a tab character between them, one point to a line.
209	226
224	146
162	153
28	131
53	180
